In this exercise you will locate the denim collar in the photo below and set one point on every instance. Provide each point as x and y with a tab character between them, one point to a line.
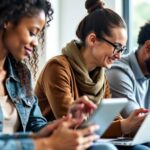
11	72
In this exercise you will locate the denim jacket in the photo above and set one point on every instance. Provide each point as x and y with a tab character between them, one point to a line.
29	112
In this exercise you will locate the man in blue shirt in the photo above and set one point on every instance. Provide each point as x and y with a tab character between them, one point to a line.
130	76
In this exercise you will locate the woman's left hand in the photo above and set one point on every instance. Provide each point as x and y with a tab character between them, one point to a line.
133	122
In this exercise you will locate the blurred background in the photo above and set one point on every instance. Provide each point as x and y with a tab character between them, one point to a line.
68	14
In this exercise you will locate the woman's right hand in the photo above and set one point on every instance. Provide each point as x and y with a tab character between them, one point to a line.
133	122
64	137
82	108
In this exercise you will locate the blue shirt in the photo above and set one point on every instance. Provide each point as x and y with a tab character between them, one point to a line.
30	115
127	80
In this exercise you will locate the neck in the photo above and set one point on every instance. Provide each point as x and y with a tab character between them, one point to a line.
87	56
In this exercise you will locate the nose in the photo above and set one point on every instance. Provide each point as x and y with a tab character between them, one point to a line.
35	41
117	55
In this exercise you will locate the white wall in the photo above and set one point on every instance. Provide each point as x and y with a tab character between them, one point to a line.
71	13
52	34
67	15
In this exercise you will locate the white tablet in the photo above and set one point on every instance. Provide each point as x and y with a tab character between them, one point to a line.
105	113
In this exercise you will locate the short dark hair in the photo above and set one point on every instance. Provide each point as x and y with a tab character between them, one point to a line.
144	33
100	20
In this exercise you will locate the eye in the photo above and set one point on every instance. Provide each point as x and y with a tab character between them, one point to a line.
32	33
117	45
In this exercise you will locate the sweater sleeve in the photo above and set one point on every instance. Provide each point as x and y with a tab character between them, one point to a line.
114	129
107	90
19	144
55	81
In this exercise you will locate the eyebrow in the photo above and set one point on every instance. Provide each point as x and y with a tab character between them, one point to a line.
119	44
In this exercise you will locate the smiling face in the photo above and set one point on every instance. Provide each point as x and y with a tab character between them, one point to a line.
103	53
21	39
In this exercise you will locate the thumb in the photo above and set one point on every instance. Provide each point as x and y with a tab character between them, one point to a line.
141	110
72	123
49	128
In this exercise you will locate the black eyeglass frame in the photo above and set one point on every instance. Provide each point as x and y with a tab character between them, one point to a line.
117	48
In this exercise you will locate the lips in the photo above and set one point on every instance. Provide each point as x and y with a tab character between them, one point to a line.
28	51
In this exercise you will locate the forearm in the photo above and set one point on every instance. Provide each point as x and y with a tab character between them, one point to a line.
24	144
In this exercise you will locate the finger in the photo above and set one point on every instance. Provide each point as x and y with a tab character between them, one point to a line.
87	102
141	110
141	118
49	128
89	130
67	117
88	141
54	124
70	123
76	107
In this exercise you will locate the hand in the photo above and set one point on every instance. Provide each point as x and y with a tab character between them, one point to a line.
133	122
82	108
64	137
49	128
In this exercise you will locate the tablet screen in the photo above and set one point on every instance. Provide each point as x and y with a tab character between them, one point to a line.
105	113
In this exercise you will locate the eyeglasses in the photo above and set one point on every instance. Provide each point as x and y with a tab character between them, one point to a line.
117	47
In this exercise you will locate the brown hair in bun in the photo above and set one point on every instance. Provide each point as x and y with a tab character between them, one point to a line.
92	5
100	20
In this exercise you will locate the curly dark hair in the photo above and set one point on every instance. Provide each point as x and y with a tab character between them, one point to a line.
144	33
13	11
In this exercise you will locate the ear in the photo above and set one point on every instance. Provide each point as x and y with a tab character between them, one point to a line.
7	25
91	39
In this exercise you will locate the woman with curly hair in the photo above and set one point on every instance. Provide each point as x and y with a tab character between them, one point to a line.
21	24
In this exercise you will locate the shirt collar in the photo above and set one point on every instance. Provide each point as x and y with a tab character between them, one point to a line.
136	68
10	69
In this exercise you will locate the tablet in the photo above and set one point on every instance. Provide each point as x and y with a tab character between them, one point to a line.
105	113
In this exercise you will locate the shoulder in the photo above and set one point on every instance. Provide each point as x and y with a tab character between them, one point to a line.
121	72
123	66
56	68
58	61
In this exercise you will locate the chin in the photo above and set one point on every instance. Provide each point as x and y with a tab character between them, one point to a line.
21	58
108	66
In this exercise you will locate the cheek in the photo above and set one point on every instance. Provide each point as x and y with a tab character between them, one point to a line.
98	57
23	38
15	44
19	36
102	55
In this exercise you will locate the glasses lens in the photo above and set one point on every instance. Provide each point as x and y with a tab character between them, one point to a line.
119	49
117	46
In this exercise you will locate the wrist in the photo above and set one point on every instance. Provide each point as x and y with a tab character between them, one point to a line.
124	127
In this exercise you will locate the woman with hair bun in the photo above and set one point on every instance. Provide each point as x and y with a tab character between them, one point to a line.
22	22
80	70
